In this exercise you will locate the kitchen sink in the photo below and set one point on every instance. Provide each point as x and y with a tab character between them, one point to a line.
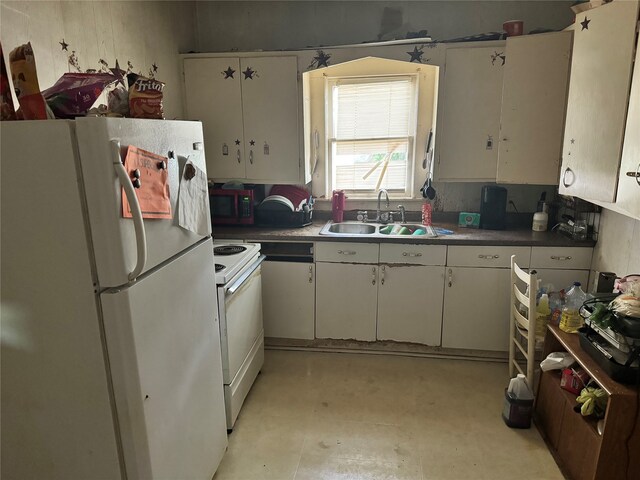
350	228
406	229
358	229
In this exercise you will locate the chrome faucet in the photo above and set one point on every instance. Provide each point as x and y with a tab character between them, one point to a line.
383	218
402	212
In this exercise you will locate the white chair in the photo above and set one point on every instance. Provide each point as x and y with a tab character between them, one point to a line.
522	330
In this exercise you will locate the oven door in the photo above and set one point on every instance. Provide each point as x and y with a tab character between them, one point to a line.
240	303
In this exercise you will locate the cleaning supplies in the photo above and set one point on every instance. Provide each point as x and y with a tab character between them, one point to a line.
518	403
571	321
543	313
541	219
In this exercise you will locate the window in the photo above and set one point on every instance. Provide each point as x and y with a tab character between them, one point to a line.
371	128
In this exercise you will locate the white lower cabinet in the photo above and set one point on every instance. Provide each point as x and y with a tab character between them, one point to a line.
477	296
346	301
288	292
410	304
476	308
562	266
563	278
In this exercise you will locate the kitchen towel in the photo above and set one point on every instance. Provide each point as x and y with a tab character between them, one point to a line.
193	210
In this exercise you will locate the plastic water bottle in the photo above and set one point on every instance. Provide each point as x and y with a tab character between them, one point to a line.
571	321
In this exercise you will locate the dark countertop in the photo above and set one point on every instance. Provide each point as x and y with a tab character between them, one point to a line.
461	236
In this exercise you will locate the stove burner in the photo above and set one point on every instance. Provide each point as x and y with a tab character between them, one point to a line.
229	249
219	267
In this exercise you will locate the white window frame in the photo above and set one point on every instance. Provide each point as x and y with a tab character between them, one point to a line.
407	193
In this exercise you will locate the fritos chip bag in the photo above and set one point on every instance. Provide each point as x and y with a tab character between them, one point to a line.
7	111
25	83
145	97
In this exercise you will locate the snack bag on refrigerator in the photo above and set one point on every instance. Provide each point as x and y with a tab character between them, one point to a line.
22	63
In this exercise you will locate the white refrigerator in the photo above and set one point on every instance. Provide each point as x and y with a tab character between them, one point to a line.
110	361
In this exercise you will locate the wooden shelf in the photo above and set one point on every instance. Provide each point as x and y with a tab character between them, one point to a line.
573	439
571	344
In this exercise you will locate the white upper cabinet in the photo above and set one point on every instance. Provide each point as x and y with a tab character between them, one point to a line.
214	97
601	67
250	114
629	185
470	120
534	96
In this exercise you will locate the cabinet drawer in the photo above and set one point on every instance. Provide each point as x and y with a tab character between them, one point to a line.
573	258
347	252
482	256
413	254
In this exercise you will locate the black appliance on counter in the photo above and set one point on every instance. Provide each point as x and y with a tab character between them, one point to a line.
493	207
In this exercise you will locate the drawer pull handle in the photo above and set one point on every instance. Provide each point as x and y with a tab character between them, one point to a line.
558	257
373	272
450	278
346	252
382	275
310	274
411	254
238	155
488	257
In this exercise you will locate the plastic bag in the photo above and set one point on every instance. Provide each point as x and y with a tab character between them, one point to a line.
556	361
75	93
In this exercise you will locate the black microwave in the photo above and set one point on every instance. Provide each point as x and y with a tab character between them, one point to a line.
231	207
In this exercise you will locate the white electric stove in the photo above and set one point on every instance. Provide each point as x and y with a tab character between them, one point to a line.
239	290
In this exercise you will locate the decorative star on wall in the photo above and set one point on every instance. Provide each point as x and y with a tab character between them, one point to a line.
585	24
498	55
64	45
237	142
155	67
320	60
228	73
252	142
249	73
118	73
416	55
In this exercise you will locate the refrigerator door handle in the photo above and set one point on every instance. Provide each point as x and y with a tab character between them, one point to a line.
136	212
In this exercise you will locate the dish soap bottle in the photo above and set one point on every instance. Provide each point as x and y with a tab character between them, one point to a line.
571	321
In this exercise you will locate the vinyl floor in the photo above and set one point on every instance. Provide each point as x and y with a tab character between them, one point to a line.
339	416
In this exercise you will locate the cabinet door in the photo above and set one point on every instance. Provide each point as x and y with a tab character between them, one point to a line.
603	47
534	99
288	299
346	301
467	147
270	110
563	278
212	94
629	186
410	304
476	308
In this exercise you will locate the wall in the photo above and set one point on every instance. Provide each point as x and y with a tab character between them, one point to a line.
618	247
243	26
144	33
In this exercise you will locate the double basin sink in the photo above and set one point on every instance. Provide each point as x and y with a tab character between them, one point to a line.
359	229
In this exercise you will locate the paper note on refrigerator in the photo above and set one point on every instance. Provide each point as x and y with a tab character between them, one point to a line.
193	208
149	175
